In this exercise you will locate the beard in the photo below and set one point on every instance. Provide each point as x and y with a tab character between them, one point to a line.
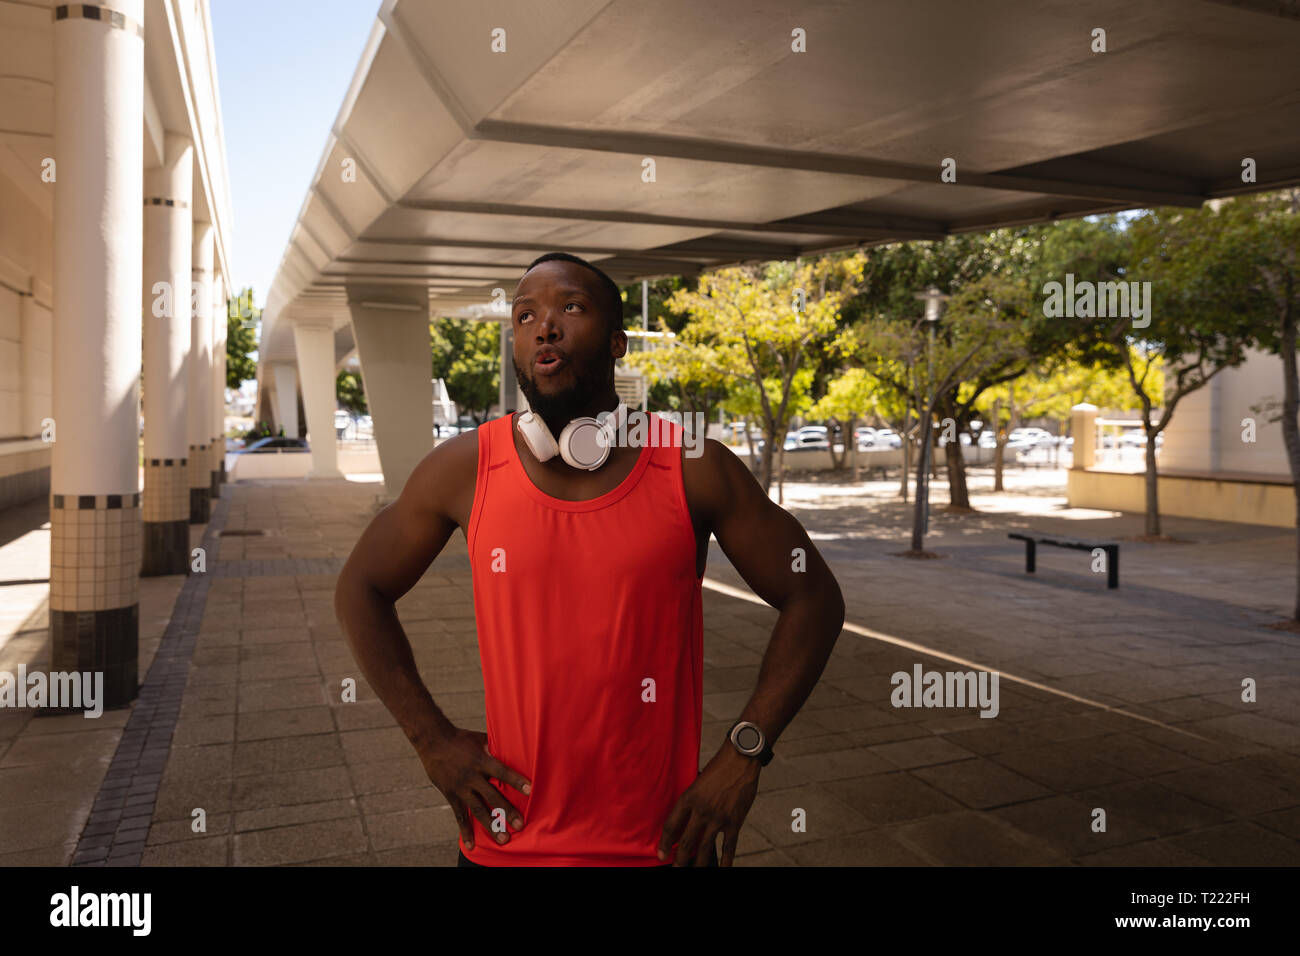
590	382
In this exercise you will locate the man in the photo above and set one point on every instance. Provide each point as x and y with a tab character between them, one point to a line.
587	600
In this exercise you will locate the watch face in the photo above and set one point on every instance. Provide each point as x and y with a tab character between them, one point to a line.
748	738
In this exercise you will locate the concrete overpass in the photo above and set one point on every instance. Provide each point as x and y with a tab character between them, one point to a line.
669	137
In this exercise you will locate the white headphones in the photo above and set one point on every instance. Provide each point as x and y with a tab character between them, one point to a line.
584	443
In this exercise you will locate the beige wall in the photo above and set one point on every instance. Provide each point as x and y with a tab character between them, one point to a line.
1206	431
1247	503
25	319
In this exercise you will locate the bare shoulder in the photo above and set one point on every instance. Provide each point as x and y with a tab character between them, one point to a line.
714	479
443	481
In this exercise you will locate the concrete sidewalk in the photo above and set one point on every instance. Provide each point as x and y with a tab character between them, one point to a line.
1137	711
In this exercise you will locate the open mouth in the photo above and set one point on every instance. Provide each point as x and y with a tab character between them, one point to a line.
548	363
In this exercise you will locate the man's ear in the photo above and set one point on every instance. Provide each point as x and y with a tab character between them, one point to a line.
618	344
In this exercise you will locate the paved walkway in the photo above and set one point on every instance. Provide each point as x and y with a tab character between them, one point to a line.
1127	701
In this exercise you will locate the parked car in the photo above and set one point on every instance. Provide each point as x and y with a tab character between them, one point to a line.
888	438
344	426
807	440
1031	437
275	444
1137	438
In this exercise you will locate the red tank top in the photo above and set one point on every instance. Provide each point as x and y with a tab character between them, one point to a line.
591	635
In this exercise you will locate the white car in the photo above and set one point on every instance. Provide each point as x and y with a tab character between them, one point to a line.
888	438
1028	437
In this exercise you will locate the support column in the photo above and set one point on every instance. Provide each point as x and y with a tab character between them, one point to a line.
223	327
1083	428
216	443
314	344
391	329
98	233
199	378
509	388
168	238
286	397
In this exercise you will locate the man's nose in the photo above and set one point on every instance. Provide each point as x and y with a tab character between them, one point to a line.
548	326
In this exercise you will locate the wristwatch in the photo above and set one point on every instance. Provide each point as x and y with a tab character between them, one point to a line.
750	741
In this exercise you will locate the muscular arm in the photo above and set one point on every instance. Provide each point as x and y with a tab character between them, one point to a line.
762	540
390	557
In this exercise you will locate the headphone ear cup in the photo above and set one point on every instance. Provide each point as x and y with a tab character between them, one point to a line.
580	446
537	436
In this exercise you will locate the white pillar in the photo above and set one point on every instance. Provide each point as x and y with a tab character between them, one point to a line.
221	324
216	445
314	343
391	329
168	238
509	388
94	474
1083	429
286	397
199	378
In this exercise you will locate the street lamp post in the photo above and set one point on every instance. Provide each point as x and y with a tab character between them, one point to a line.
933	300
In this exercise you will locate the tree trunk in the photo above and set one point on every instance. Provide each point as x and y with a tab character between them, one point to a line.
906	449
754	462
852	448
780	474
958	493
837	461
1152	483
1290	427
769	440
999	456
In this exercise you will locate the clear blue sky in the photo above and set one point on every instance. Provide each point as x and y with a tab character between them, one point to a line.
283	67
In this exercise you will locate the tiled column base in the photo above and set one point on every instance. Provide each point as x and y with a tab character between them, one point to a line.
95	554
104	642
200	485
166	515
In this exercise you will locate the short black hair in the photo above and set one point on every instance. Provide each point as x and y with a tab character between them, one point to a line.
608	288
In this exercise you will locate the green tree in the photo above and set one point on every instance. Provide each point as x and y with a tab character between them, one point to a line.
689	368
1262	235
350	392
1051	391
991	295
467	356
1203	315
761	324
848	399
243	320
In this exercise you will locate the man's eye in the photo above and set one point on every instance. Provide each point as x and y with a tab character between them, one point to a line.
578	304
524	315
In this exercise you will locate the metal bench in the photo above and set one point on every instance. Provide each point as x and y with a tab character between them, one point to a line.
1032	541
